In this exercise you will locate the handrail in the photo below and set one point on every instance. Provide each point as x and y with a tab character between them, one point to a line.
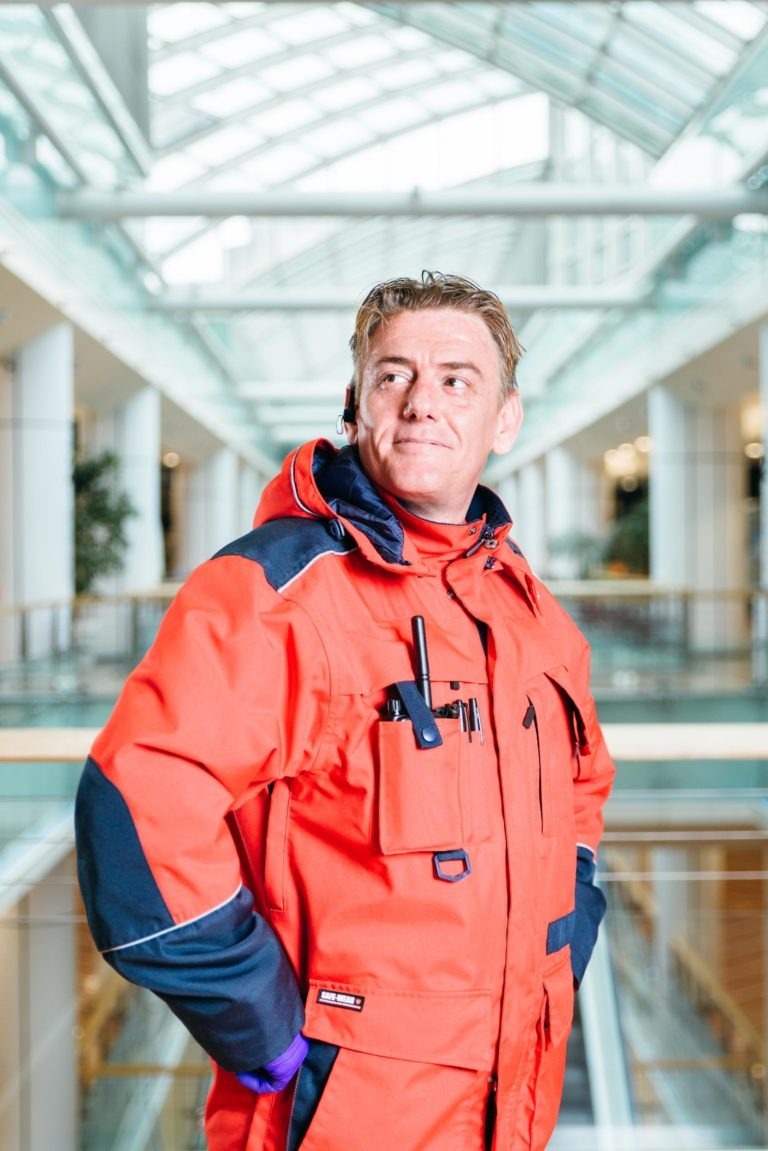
46	744
162	591
641	742
646	589
602	589
663	741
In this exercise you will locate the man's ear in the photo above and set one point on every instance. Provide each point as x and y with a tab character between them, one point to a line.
509	422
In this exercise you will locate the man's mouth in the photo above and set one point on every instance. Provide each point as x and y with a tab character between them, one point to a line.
422	443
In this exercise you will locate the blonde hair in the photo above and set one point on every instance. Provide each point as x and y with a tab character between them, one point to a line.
434	290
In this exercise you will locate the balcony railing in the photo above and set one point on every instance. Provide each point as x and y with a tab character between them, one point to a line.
681	967
641	633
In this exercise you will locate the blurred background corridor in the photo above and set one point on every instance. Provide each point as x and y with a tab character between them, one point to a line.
194	197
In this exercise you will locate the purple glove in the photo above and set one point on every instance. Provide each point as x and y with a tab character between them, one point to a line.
278	1073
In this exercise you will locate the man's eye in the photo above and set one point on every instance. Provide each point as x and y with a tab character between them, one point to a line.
456	383
392	378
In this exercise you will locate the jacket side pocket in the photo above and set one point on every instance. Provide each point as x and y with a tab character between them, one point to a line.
313	1076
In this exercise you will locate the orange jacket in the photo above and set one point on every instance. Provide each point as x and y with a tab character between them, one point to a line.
263	849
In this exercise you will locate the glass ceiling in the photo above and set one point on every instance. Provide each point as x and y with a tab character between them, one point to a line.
387	98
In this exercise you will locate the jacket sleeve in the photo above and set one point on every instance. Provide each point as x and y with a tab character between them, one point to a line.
592	787
232	695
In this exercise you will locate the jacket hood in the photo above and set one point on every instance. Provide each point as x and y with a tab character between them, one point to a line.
319	481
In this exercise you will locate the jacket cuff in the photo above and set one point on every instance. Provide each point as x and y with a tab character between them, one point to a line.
227	978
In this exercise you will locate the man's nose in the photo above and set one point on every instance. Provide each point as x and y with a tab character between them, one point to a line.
422	399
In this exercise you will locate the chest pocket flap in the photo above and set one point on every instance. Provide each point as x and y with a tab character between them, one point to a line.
579	718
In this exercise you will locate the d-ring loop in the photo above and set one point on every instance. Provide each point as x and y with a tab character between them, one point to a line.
460	855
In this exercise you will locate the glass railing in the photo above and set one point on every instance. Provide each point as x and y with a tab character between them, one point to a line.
668	1050
148	1090
686	939
645	643
652	641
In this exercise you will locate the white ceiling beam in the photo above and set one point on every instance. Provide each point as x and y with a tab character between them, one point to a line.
39	116
316	415
518	298
79	47
538	199
289	435
291	391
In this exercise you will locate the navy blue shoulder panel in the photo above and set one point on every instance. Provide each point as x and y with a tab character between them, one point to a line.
285	547
122	899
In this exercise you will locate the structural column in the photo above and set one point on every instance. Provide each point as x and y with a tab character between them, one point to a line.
760	619
48	1013
36	509
251	485
508	492
38	1004
595	499
669	482
212	507
562	529
138	448
9	625
132	432
697	516
573	514
10	1012
531	525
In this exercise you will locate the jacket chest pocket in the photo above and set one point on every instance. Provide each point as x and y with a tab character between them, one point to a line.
556	737
428	798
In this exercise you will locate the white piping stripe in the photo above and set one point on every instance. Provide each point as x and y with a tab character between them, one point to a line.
303	506
319	556
176	926
591	849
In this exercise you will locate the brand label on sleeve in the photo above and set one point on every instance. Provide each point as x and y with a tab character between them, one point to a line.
340	999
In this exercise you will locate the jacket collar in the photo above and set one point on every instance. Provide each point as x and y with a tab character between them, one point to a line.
351	495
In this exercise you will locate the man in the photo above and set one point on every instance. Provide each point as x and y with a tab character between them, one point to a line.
345	814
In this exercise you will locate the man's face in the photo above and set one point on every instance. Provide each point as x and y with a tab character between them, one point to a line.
429	410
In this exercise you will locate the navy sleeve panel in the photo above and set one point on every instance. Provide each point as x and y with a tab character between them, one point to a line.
227	979
122	900
225	975
285	547
590	909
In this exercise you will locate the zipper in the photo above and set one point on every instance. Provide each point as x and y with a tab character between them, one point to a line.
289	1128
485	536
490	1113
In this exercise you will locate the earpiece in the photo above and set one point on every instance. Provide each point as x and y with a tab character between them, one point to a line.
348	416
